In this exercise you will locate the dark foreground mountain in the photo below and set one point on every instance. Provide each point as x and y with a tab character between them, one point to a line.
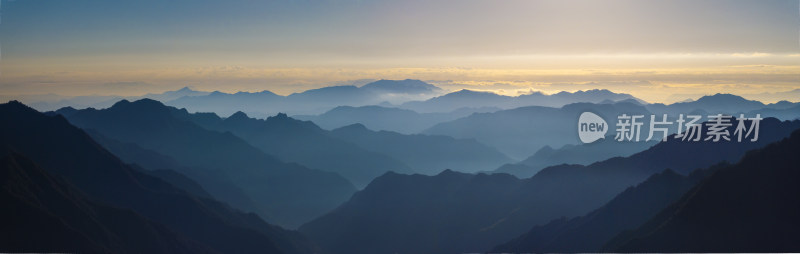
42	213
419	214
428	154
304	143
626	211
748	207
288	194
66	151
455	213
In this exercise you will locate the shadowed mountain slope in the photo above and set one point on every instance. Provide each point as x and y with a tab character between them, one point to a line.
64	150
289	194
747	207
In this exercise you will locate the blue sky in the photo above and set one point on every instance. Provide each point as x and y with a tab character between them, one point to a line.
79	46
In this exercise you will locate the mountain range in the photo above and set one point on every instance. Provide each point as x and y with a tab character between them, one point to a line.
525	130
582	154
393	166
59	182
287	193
747	207
314	101
438	214
387	118
304	143
426	154
628	210
475	99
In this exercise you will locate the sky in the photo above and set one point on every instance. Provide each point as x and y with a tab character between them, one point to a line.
659	51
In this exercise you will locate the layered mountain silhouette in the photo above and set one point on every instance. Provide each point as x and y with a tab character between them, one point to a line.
711	104
780	111
288	194
356	153
583	154
314	101
303	142
108	101
165	167
525	130
476	99
455	213
387	118
626	211
427	154
747	207
55	146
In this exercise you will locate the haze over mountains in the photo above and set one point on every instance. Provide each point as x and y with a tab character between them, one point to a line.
286	192
391	167
36	143
438	213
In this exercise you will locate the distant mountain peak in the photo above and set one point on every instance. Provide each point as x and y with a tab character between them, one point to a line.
121	103
467	92
147	103
280	116
721	96
238	115
407	86
143	107
17	107
353	127
15	102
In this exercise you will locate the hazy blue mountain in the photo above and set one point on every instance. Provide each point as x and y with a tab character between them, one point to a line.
474	99
583	154
455	100
305	143
456	213
227	104
427	154
387	118
288	194
43	213
65	150
170	95
748	207
626	211
783	104
160	165
711	104
103	101
314	101
400	87
520	132
779	111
